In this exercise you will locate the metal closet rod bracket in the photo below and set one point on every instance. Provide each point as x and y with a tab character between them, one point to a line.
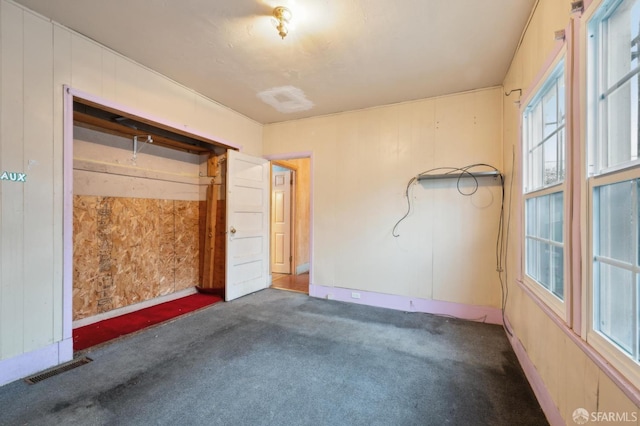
136	150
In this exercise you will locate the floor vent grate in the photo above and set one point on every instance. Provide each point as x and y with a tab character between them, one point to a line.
58	370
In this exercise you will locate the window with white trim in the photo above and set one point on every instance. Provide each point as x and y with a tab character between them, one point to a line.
544	157
614	183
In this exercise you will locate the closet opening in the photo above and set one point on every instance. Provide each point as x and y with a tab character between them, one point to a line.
148	217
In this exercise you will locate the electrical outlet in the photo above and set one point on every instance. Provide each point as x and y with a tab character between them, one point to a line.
355	295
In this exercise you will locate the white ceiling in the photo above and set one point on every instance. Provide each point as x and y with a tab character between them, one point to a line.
341	55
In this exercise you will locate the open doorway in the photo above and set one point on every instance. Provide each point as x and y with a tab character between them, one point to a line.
290	223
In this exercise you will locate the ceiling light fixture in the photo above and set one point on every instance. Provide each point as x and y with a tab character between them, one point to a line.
282	16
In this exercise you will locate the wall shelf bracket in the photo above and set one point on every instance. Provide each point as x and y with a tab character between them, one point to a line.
459	175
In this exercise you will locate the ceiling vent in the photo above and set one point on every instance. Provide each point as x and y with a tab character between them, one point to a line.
286	99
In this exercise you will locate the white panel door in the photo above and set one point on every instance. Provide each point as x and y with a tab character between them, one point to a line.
247	265
281	222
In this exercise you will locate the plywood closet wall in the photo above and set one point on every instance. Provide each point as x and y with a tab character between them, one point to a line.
128	250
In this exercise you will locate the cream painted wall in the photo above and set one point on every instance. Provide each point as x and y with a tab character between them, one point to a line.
362	162
572	379
37	57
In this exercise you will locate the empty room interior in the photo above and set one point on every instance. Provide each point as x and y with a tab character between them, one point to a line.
320	212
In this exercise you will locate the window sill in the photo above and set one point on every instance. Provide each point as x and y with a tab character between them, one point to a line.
552	302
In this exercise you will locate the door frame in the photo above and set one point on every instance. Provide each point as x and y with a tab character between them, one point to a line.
274	158
69	94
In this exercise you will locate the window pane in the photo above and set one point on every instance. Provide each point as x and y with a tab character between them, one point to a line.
558	271
543	225
561	106
536	160
634	116
550	150
544	265
621	125
616	305
536	169
526	153
532	258
561	158
557	215
638	224
620	58
616	221
536	126
543	119
622	28
530	217
544	254
550	112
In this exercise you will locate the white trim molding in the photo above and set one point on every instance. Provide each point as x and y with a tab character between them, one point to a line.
486	314
29	363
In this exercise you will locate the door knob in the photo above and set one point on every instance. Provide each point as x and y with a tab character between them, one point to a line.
232	230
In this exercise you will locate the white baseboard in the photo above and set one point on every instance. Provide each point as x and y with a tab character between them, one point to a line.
488	314
133	308
33	362
302	269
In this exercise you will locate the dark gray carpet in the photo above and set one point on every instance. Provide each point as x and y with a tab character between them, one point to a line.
282	358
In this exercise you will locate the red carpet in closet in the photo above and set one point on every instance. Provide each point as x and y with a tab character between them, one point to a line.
103	331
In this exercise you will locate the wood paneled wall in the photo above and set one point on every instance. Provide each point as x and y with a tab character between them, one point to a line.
30	212
38	57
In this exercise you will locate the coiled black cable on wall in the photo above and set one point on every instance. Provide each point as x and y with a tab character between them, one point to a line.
473	172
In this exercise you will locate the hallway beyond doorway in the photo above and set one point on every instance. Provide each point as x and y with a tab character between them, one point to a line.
297	283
